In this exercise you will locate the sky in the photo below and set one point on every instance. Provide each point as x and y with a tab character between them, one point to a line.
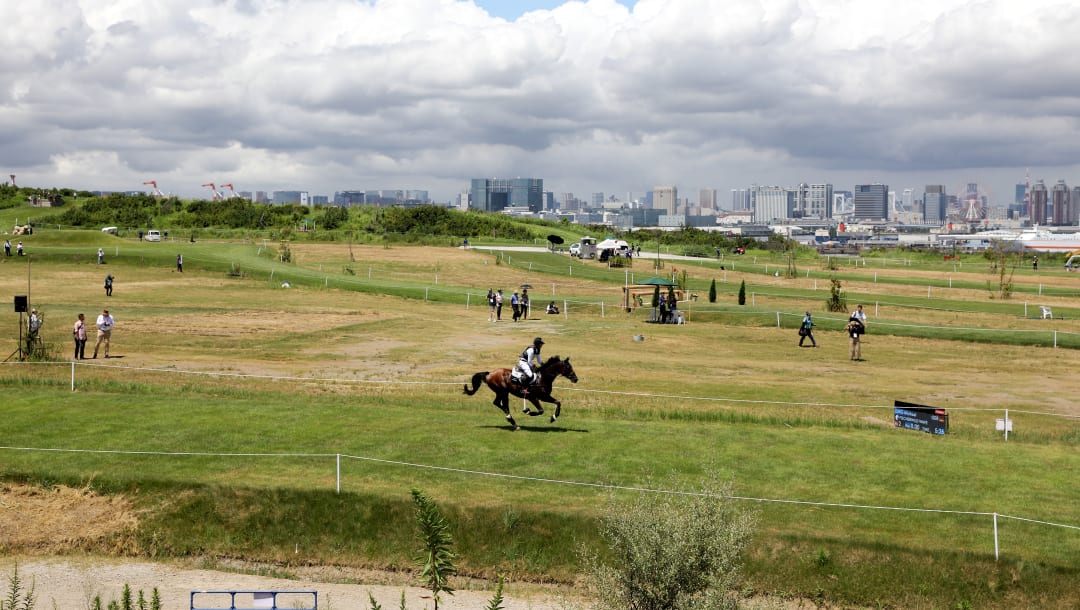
594	96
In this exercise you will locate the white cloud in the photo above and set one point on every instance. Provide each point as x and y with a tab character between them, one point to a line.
341	94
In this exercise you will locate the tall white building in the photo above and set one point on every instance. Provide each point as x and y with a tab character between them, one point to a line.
666	198
772	203
814	201
707	199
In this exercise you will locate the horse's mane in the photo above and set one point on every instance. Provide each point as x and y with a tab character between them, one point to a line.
550	362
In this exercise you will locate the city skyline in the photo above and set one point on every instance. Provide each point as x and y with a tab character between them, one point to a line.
597	96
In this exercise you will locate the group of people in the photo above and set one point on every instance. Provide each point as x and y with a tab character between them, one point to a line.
668	309
105	323
855	328
18	248
519	304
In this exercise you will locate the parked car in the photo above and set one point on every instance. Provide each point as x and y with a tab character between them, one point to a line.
152	235
110	230
575	249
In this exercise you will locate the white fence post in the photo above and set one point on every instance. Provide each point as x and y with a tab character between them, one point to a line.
339	473
72	375
468	296
778	320
996	554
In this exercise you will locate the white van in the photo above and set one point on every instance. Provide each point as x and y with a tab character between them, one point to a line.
152	235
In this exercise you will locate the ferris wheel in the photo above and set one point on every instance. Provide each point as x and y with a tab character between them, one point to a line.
973	202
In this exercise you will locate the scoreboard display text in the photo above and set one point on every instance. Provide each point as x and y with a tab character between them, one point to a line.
931	420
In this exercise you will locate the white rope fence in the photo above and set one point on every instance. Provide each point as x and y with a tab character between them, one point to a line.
603	486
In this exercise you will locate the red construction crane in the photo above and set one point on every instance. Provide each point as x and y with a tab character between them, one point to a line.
233	194
216	196
153	184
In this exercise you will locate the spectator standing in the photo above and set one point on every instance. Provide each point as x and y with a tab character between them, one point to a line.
100	256
1035	263
860	315
491	305
105	324
79	332
807	330
19	248
7	247
180	263
855	330
524	303
498	305
33	330
108	284
515	305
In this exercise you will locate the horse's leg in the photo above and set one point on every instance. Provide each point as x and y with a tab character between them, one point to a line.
558	410
536	404
502	401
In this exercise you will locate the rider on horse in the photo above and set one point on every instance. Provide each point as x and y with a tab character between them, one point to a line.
524	365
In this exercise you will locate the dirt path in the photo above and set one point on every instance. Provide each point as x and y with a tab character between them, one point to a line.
45	524
70	583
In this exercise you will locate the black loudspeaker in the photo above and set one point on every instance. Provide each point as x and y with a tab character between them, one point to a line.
20	303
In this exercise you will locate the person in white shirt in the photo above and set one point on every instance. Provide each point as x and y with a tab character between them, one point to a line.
859	315
105	324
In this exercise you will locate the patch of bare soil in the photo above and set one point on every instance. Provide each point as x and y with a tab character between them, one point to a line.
37	523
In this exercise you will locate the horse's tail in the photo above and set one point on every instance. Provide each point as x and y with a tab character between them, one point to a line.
477	379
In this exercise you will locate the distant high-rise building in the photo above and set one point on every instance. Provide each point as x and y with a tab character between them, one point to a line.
772	203
348	198
495	194
666	198
740	199
1061	211
935	204
1073	217
707	199
285	197
813	201
907	200
598	200
549	200
1038	202
871	202
1021	193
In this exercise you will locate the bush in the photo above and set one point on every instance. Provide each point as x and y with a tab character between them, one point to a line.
671	551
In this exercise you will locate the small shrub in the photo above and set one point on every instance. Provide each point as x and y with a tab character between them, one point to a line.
19	596
437	558
742	293
836	302
712	291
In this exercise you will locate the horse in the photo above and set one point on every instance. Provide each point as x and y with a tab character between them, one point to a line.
501	383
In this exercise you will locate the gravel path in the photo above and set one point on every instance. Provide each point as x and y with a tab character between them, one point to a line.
69	584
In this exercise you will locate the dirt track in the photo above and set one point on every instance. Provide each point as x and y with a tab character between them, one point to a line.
44	522
68	584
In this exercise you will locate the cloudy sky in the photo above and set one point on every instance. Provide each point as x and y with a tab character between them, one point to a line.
326	95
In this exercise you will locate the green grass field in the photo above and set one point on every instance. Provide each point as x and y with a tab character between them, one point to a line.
365	355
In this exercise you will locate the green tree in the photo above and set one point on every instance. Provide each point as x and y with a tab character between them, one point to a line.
837	302
742	293
437	558
671	551
656	296
712	291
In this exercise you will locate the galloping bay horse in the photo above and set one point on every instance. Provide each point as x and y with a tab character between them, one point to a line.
500	382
